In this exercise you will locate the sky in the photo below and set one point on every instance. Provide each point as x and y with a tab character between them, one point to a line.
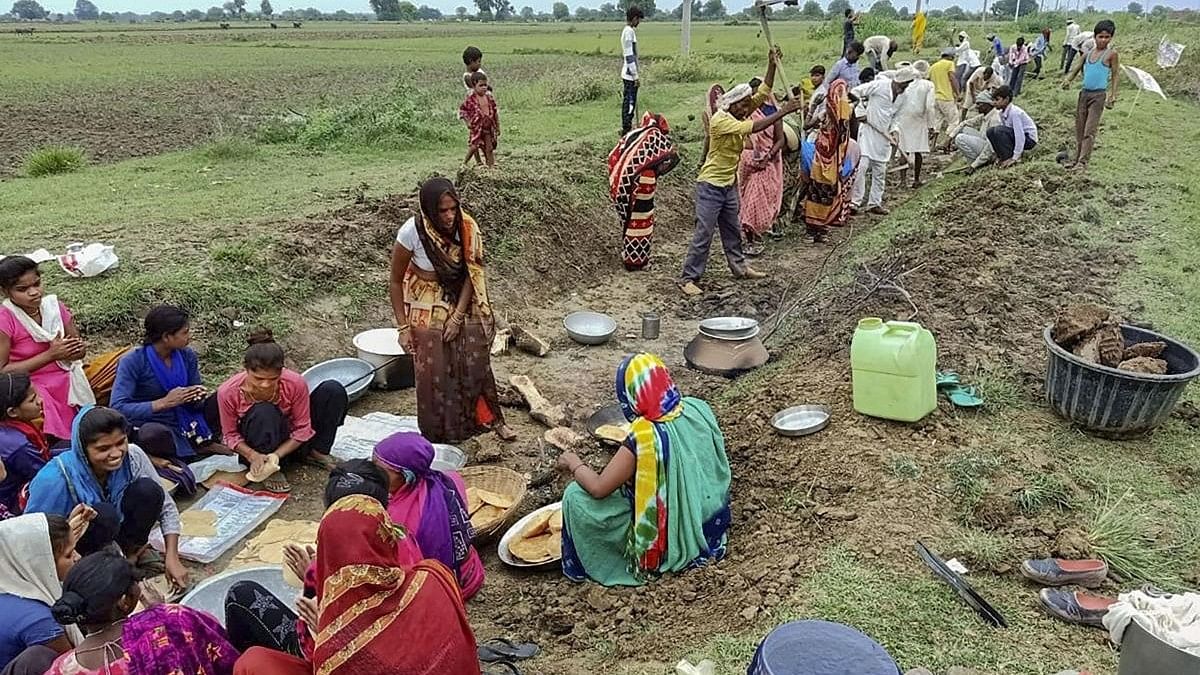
447	6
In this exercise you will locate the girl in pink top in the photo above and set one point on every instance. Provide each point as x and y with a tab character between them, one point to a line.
268	410
38	336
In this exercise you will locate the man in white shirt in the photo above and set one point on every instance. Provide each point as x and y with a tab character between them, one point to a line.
874	135
915	114
629	67
1068	52
879	48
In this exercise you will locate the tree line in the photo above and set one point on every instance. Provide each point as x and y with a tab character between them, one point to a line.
503	10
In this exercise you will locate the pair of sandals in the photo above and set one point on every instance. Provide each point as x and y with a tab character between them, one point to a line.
962	396
500	655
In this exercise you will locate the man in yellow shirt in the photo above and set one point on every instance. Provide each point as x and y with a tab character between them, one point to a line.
716	187
945	93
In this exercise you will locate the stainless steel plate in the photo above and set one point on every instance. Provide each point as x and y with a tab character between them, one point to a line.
731	337
354	374
728	325
801	420
502	548
447	458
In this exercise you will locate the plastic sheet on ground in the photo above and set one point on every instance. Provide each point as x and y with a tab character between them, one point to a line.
209	466
357	437
238	511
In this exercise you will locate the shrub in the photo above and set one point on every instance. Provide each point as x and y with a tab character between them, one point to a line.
580	86
280	130
53	160
230	148
687	69
390	121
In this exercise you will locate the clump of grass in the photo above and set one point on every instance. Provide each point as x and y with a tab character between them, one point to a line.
580	86
999	388
390	121
1122	533
1045	491
969	474
230	148
979	548
903	466
54	159
279	130
687	69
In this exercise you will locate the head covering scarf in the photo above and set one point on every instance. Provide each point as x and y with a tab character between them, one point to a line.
173	639
648	398
190	422
833	136
375	616
456	252
79	483
646	148
738	93
445	531
27	568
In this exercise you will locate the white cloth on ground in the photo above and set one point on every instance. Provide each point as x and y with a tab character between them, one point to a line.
27	568
881	113
915	111
1174	619
47	331
411	240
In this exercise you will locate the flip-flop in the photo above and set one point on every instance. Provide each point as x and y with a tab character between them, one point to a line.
946	378
278	484
501	649
963	397
501	668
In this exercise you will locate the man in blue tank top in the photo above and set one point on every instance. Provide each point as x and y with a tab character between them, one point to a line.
1099	91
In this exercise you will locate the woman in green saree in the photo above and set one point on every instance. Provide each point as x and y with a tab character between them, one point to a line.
662	502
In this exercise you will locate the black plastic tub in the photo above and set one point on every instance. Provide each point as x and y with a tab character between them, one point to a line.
1117	403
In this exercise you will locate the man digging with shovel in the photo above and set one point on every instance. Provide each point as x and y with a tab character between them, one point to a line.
717	205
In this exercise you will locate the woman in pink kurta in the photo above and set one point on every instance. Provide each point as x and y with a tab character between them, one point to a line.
431	505
51	361
760	177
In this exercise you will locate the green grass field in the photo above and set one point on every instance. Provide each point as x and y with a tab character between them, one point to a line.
199	221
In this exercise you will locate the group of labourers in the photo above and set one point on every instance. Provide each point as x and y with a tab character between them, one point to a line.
384	589
859	119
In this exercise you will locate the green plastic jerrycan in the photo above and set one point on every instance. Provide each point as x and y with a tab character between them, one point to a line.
893	367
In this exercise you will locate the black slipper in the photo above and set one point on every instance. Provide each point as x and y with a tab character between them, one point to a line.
500	649
501	668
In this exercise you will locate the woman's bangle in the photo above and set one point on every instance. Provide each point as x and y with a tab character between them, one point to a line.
403	328
577	467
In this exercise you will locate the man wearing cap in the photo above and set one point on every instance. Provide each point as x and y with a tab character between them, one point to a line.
970	136
914	118
983	79
717	205
874	135
945	92
1068	51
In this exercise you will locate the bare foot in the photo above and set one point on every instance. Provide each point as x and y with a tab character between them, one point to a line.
506	433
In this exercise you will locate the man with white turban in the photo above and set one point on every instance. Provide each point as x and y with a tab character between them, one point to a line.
915	113
717	205
874	135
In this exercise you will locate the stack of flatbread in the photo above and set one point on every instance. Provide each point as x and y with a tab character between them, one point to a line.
614	433
540	541
487	508
267	547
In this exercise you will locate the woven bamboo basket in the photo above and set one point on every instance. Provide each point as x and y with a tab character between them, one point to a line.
502	481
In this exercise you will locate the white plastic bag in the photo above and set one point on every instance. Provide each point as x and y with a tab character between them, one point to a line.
88	261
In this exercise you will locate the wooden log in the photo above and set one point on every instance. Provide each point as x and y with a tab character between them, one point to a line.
530	343
539	407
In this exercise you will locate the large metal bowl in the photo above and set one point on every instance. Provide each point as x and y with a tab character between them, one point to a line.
729	327
590	328
354	374
801	420
447	458
209	595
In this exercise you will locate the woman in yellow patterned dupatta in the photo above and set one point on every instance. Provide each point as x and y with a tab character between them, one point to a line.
828	165
439	296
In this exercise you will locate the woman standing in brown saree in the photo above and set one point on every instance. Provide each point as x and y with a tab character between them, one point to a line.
439	296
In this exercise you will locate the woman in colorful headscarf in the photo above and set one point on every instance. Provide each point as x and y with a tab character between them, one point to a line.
100	595
760	178
634	167
374	615
439	296
828	165
662	503
431	506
